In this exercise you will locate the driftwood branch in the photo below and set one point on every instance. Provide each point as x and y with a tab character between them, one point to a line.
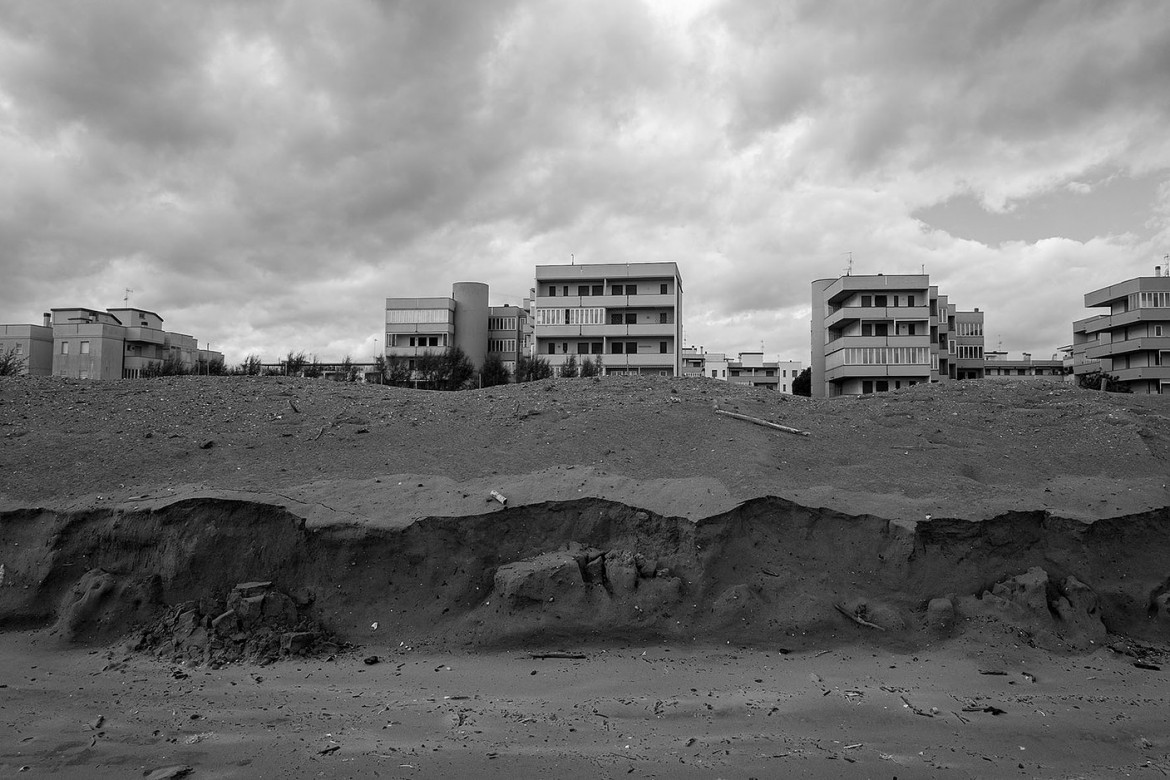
764	423
856	619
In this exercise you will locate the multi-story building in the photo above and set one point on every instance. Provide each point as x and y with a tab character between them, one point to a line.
1000	364
749	368
881	332
1132	341
628	313
122	343
416	326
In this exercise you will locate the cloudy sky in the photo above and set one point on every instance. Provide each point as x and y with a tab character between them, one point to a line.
265	174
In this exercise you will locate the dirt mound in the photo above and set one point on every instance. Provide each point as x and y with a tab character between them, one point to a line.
768	573
254	623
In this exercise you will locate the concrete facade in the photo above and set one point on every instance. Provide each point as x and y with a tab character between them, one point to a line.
628	313
30	344
1132	341
121	343
416	326
873	333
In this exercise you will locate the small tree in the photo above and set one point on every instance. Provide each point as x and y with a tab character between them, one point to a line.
1098	380
588	368
11	363
569	369
494	372
397	371
349	369
802	385
380	367
530	369
458	370
251	366
295	363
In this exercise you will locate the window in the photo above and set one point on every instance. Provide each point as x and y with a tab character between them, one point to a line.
550	316
582	289
85	347
631	289
501	345
909	300
1154	300
565	290
769	372
616	347
64	347
631	318
867	329
662	318
595	348
564	347
582	347
1157	330
882	386
881	329
714	373
662	347
784	388
867	300
631	347
879	300
867	386
735	372
501	323
597	289
418	315
615	289
552	291
662	288
552	348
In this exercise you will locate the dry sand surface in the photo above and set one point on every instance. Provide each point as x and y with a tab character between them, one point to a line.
951	581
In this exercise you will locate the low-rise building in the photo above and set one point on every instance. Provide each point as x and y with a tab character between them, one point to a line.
999	364
121	343
1132	341
748	368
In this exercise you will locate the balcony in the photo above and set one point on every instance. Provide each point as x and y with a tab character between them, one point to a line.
655	301
1141	344
145	336
1143	372
653	330
877	341
1111	321
915	371
848	314
912	284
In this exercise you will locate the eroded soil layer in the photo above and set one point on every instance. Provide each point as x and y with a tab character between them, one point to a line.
769	572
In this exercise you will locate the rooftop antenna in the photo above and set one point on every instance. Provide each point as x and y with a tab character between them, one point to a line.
849	268
572	259
126	297
1166	259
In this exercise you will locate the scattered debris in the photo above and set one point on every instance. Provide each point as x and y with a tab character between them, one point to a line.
569	656
499	497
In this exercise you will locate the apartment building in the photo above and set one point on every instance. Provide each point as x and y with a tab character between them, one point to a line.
873	333
416	326
628	313
121	343
1132	341
748	368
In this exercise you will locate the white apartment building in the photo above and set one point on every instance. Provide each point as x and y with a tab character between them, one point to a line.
872	333
628	313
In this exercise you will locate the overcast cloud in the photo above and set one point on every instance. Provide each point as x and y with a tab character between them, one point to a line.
263	175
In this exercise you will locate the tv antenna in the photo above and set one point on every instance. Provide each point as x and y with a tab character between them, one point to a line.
126	297
849	267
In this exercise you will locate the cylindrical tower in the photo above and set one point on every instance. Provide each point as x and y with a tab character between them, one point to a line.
471	320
